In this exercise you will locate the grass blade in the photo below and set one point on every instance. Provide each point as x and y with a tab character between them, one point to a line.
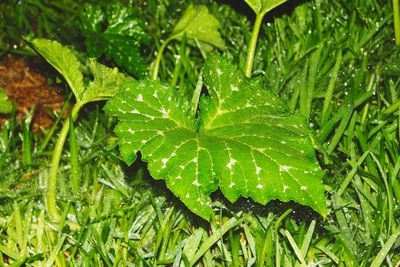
340	130
307	92
350	175
295	248
215	238
307	239
331	87
377	261
193	243
56	250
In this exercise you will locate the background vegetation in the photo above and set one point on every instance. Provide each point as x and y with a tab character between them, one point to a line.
335	62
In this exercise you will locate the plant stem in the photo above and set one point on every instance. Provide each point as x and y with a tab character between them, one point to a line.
49	134
396	18
55	163
157	62
253	44
74	161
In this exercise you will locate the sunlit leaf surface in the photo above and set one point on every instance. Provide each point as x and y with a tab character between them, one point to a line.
244	141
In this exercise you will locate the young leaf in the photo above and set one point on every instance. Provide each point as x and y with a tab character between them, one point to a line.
119	40
64	61
105	84
5	103
199	24
106	80
264	6
244	141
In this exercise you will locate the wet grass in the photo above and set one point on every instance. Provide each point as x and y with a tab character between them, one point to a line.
335	63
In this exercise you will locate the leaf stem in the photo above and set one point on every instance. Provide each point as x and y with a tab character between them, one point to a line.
253	44
55	163
157	62
74	160
50	133
396	19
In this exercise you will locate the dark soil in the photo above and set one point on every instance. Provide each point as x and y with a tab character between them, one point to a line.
28	88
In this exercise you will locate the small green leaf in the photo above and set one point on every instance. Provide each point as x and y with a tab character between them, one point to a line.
244	141
256	5
64	61
5	103
115	32
105	84
199	24
264	6
106	81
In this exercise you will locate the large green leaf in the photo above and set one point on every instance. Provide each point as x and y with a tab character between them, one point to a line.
5	103
199	24
264	6
244	141
115	32
64	61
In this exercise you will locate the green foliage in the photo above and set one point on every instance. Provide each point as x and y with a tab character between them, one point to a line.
335	61
40	18
197	23
245	142
5	103
115	32
105	83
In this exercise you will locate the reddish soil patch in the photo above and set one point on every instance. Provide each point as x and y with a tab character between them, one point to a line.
29	89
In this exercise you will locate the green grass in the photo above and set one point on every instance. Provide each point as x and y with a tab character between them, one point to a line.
334	61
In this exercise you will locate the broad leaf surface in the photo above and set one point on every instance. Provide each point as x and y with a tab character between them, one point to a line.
264	6
199	24
244	141
115	32
64	61
5	103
